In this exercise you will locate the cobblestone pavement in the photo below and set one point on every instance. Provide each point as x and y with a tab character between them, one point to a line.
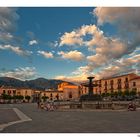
74	121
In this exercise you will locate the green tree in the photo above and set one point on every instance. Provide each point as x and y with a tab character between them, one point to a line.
107	94
6	97
19	97
14	97
44	98
103	95
27	97
133	93
127	93
120	93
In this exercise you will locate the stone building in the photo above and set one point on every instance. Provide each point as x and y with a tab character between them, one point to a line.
70	91
17	91
135	84
114	84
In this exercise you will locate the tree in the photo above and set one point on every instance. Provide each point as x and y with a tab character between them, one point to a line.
27	97
133	93
103	95
19	97
126	92
120	93
45	98
7	97
107	94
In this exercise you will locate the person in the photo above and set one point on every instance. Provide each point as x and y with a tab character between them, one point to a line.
42	106
38	104
131	107
47	106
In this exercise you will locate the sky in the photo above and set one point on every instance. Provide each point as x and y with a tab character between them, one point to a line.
69	43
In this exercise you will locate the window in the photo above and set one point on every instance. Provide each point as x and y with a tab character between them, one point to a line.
51	96
134	84
70	95
111	82
14	92
126	79
119	81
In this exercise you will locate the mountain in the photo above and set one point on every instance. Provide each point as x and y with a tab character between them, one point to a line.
39	84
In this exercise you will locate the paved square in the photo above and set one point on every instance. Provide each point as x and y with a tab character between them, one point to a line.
7	115
75	121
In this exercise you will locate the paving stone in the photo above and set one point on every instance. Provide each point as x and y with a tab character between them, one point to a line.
75	121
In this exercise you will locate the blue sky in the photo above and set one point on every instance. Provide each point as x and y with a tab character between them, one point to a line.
67	43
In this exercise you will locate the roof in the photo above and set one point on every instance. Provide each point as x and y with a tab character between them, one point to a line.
70	86
7	87
136	78
119	76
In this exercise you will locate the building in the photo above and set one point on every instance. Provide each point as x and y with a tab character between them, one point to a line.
70	91
135	84
8	90
17	91
115	84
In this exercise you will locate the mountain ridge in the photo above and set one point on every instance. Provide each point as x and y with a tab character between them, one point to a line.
38	83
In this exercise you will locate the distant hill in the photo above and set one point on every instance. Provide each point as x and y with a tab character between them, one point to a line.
40	83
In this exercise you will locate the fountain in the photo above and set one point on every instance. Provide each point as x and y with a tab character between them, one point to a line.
90	96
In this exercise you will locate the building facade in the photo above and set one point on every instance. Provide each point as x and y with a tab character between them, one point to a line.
135	84
70	91
115	84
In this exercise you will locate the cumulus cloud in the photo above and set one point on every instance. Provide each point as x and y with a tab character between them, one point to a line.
16	50
20	73
118	15
76	37
125	19
52	44
6	37
33	42
72	55
46	54
76	78
106	49
71	38
8	18
85	70
111	54
122	66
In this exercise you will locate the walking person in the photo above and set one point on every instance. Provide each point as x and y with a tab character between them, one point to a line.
38	104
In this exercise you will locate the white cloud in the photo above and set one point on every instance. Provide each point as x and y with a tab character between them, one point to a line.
33	42
77	78
72	55
125	19
6	36
53	44
76	37
85	70
122	66
46	54
106	49
16	49
70	39
112	55
20	73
